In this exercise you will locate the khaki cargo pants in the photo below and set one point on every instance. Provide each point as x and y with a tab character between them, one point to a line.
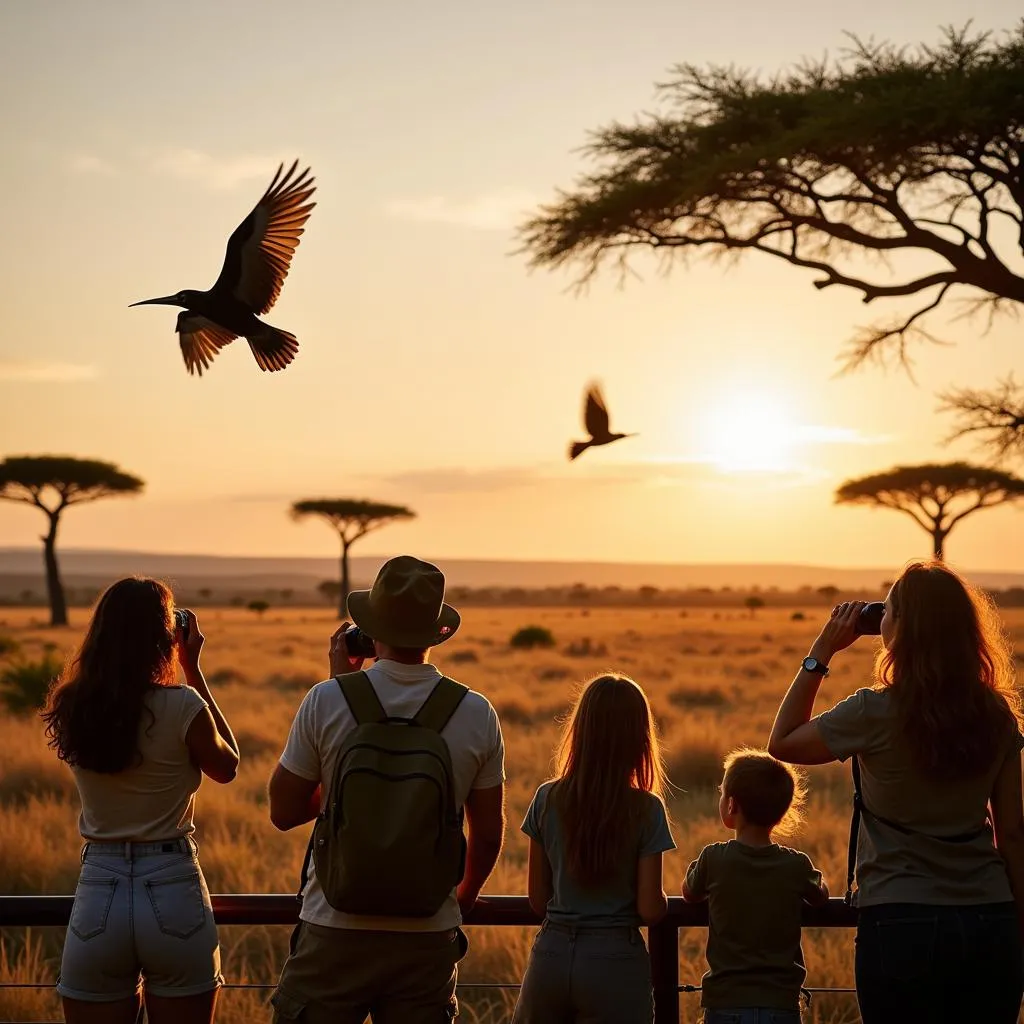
341	975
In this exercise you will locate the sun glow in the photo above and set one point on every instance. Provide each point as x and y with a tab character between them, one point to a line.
750	432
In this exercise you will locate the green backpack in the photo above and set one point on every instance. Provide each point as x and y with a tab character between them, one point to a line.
389	841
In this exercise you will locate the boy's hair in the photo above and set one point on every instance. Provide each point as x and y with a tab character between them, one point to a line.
769	793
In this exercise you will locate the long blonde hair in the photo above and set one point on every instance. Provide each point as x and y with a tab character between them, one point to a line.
608	754
950	672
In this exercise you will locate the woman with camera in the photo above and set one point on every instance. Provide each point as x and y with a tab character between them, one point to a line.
936	745
138	746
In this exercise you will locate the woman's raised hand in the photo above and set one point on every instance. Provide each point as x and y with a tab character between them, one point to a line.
839	632
190	645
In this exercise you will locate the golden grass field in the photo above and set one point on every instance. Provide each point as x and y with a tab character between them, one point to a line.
714	679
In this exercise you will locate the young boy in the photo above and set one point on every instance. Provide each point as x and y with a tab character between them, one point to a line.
755	891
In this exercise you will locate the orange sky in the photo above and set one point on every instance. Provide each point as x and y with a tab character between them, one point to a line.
434	369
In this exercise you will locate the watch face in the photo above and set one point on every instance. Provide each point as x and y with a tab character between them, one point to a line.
810	664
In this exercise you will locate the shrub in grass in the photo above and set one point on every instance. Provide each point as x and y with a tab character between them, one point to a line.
695	764
553	672
8	645
691	697
25	684
798	616
585	649
222	676
532	636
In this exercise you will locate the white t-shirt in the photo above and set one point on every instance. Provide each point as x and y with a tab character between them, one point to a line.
324	720
156	798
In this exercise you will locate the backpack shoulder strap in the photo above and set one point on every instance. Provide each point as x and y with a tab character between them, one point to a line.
860	809
362	699
851	853
439	707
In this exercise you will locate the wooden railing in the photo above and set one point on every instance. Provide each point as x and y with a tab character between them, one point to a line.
490	911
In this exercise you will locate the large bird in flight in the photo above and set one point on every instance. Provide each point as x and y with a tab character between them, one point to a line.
259	254
595	419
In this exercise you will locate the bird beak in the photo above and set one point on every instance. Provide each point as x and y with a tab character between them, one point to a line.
164	300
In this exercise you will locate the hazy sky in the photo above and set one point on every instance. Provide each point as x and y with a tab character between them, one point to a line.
434	370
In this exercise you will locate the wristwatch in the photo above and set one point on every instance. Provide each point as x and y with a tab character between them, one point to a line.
813	665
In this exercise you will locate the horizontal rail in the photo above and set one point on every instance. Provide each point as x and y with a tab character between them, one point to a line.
281	908
490	911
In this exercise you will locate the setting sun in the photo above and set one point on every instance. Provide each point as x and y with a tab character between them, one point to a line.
749	432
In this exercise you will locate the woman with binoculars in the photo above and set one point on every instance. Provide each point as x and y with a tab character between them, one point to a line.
938	831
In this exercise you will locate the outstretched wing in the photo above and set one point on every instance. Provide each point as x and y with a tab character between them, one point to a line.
260	249
595	415
200	340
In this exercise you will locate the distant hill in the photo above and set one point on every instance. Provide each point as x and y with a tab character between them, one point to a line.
21	569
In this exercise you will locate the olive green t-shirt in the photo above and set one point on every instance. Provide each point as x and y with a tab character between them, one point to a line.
896	867
756	896
613	902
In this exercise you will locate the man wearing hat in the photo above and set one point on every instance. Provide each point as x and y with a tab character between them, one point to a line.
399	970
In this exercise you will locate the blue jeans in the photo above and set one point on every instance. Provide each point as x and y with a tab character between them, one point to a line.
586	976
752	1015
940	964
142	913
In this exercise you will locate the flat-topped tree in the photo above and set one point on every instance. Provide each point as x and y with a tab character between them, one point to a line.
352	519
936	497
840	168
52	483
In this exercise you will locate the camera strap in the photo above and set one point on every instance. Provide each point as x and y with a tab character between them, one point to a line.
860	809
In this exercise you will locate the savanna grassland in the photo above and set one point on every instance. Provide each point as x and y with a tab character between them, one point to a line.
714	678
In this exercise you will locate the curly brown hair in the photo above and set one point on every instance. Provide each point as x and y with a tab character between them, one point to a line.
95	708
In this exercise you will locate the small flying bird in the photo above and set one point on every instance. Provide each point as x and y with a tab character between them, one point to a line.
595	419
259	254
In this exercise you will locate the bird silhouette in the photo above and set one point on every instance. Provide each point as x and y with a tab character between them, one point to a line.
595	419
258	256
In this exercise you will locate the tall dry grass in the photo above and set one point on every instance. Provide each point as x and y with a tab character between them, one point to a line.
714	679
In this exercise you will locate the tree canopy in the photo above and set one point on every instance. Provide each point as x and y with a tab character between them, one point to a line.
52	483
843	168
935	496
352	518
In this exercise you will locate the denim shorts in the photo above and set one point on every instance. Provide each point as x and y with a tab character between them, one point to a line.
142	916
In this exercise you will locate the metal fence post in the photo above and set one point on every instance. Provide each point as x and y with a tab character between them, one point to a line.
663	945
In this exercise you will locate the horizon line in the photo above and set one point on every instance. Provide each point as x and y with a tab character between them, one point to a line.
139	552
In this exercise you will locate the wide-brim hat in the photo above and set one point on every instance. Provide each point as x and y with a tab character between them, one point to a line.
405	606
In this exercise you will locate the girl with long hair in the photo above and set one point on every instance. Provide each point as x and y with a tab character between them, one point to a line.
940	853
597	835
138	745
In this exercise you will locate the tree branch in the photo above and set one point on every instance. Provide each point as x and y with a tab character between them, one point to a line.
869	339
997	413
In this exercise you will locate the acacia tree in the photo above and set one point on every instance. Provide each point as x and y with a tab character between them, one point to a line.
352	519
837	168
936	497
52	483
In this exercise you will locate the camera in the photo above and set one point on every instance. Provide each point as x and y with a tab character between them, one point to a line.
181	622
358	644
869	622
